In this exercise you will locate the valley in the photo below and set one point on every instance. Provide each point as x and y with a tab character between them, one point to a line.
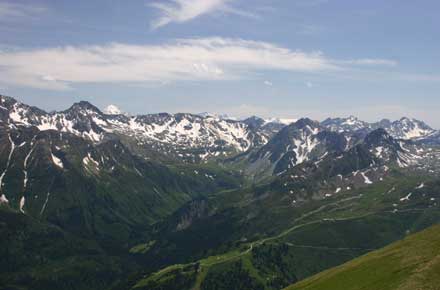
185	201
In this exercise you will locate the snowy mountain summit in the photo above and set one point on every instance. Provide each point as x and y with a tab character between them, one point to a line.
112	110
405	128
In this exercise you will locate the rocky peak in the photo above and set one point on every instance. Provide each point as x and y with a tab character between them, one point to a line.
379	137
254	122
83	108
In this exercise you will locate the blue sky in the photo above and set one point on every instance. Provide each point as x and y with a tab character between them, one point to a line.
278	58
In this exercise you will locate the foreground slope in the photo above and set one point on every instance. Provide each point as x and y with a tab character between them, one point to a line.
413	263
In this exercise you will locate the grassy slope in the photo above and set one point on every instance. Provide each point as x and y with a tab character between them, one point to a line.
413	263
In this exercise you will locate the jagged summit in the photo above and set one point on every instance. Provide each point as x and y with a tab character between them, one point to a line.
404	128
305	123
409	128
349	124
380	138
83	108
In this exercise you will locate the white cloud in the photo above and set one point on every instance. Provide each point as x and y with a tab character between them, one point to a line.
373	62
184	10
182	60
186	59
268	83
231	10
10	10
309	85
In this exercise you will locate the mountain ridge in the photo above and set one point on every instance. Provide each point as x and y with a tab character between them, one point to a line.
350	123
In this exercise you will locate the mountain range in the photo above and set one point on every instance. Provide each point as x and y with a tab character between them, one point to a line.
103	199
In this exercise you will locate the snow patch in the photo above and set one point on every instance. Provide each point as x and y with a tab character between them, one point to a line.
366	179
9	160
45	203
18	115
22	202
303	147
406	198
89	160
3	199
379	151
392	189
57	161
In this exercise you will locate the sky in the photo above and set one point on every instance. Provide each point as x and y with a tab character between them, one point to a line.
272	58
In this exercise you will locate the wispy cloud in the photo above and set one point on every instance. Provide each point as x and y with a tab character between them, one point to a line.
268	83
181	60
179	11
373	62
11	10
311	3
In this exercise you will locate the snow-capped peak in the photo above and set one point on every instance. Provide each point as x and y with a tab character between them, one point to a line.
112	110
349	124
351	120
405	128
216	116
409	128
284	121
